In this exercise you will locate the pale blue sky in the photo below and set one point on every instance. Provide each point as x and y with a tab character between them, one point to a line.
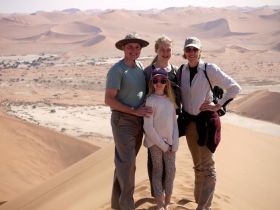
11	6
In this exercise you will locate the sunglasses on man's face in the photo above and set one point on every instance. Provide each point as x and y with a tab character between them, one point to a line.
189	49
162	81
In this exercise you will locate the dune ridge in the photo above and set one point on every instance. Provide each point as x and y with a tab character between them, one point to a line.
76	28
260	105
233	25
31	154
217	28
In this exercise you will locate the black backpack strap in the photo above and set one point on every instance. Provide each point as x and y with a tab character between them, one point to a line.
173	72
179	74
227	102
205	72
173	77
215	99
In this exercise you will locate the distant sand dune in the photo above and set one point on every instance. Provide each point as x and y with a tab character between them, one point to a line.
52	36
25	20
238	48
262	11
55	37
94	40
71	33
100	43
220	26
216	28
71	10
261	105
76	28
62	17
15	32
276	46
119	13
275	16
3	40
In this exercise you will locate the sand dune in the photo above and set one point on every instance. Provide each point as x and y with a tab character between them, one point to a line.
96	45
76	28
260	105
94	41
14	32
71	10
58	38
53	27
24	20
272	17
216	28
62	17
276	46
244	185
87	184
76	32
121	14
31	154
265	10
238	48
54	37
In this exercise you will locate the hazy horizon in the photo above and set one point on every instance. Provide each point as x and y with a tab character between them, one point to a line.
29	6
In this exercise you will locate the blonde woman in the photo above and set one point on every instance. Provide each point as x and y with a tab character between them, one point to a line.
161	136
163	50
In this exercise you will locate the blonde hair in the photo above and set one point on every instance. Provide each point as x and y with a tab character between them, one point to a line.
168	91
161	40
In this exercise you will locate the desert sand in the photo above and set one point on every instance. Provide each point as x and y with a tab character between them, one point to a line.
56	141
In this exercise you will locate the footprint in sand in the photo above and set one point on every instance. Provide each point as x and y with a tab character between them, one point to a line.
225	198
141	188
184	201
187	206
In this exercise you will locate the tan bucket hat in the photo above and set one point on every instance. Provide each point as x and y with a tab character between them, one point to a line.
131	38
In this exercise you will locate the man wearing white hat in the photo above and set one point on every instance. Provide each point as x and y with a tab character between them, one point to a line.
125	93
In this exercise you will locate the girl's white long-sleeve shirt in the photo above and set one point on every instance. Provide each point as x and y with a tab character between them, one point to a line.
161	128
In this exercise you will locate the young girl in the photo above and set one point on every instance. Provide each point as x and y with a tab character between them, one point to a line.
161	135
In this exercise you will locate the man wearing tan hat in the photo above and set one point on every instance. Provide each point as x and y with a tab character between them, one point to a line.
125	93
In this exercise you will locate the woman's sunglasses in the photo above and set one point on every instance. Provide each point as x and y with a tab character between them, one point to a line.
189	49
162	81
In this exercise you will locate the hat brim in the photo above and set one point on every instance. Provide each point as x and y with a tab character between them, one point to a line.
193	45
163	75
119	45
